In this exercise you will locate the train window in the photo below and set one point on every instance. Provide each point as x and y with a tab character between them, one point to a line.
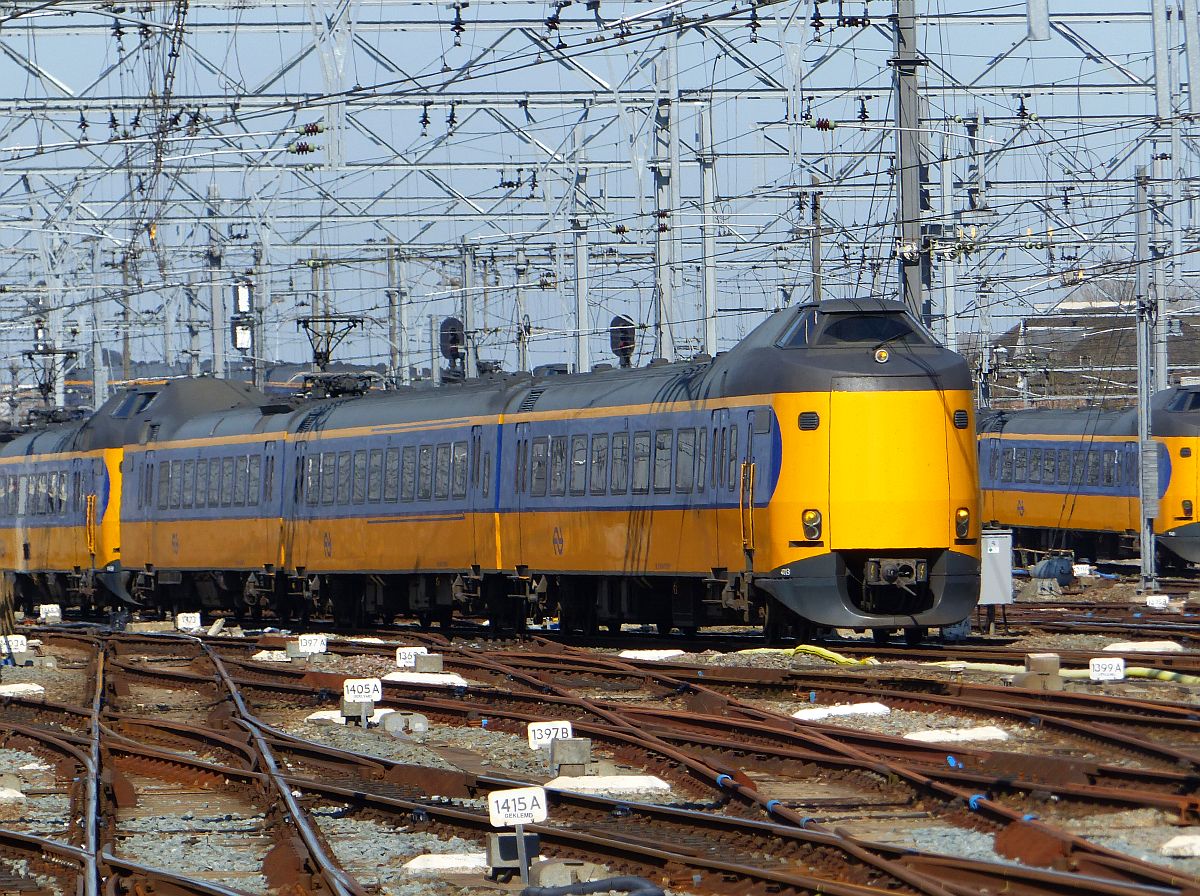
254	480
475	460
701	457
189	483
134	403
201	482
993	460
239	481
408	473
579	468
358	481
558	465
662	460
226	481
214	481
312	479
1064	465
76	492
599	477
343	478
175	481
734	472
1020	468
760	420
843	329
685	459
1093	467
458	470
328	477
1048	465
391	476
1108	468
1006	464
1077	466
375	475
424	472
519	466
268	480
537	467
1035	464
619	480
39	494
641	463
164	479
441	472
485	473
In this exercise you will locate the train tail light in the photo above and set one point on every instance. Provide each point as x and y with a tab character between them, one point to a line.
1187	509
962	522
811	520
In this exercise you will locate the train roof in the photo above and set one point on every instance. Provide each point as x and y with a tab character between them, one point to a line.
809	348
1174	412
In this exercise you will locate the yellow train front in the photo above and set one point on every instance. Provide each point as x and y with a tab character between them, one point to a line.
1068	478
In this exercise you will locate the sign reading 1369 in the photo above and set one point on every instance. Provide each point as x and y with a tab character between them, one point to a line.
361	690
522	805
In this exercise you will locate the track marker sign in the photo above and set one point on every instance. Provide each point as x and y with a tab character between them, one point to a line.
49	613
1158	601
362	690
406	657
542	733
187	622
1106	669
13	644
312	643
519	806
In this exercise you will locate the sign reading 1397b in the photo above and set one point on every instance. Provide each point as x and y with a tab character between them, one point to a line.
522	805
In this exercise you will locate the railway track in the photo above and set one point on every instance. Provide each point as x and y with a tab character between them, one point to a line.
176	716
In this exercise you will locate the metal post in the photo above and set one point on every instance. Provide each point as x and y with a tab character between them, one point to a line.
470	349
317	312
522	854
216	295
1191	41
403	301
393	297
99	363
1158	290
261	298
583	361
950	262
1148	449
708	230
816	248
125	349
193	327
522	271
1162	67
905	64
435	366
663	245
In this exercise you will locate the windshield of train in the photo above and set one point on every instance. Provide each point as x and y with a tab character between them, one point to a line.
815	329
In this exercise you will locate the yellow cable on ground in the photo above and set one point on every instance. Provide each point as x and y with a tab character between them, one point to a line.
821	653
1075	674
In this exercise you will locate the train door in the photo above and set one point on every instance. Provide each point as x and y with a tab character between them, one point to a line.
758	425
147	513
521	490
480	503
725	553
293	493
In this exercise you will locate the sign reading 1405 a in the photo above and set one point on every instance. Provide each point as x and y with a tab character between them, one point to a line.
362	690
522	805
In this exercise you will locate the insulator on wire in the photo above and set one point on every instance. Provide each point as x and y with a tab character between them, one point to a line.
310	128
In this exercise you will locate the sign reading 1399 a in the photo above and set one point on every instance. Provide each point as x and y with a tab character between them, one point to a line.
522	805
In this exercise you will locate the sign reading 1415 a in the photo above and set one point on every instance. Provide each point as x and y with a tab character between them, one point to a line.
361	690
522	805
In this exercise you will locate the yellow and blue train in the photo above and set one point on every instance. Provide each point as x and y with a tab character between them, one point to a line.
821	473
1068	479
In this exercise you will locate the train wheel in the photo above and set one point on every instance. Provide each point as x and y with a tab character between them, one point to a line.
881	636
914	636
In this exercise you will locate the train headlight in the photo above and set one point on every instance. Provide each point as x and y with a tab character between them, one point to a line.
962	522
811	520
1187	508
882	355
